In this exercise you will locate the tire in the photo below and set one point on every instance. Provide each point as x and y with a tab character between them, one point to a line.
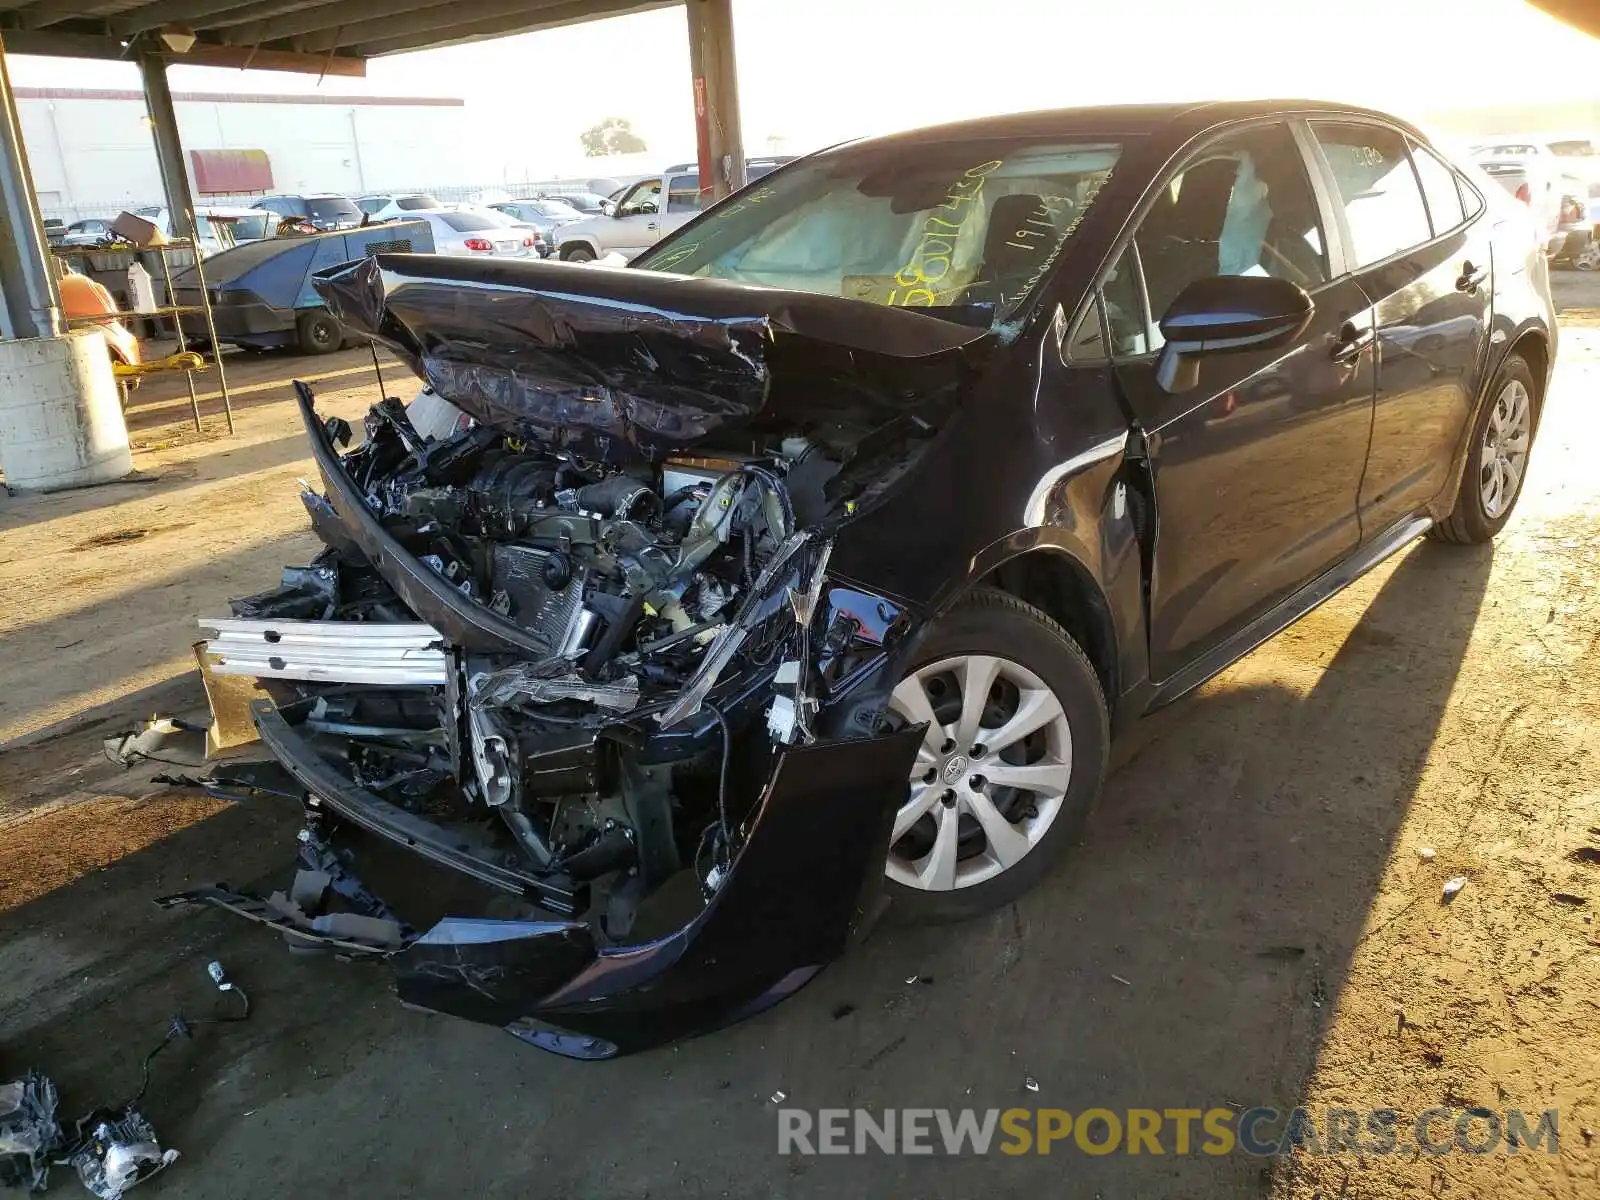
1474	519
318	332
578	253
1034	661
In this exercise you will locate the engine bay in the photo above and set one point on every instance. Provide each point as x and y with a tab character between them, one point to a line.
661	611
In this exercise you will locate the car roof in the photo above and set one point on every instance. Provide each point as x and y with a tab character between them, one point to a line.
1128	120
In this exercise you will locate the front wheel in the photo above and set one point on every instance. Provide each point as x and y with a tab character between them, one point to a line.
1497	458
579	253
1012	761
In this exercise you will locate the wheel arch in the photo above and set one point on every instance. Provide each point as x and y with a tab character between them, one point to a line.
1060	585
585	240
1533	346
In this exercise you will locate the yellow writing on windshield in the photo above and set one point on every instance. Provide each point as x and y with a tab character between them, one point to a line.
1045	215
926	277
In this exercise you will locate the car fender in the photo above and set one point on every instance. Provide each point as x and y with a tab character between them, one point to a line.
1085	514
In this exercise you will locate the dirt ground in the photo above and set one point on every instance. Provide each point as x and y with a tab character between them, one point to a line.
1249	921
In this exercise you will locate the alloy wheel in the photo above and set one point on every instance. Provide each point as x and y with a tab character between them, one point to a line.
991	773
1505	449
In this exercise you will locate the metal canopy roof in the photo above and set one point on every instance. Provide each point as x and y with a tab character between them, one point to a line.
323	36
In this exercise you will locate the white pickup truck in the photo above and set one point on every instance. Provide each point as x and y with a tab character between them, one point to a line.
636	222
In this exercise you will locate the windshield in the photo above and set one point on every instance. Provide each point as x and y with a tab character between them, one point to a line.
251	228
967	229
414	203
336	208
555	208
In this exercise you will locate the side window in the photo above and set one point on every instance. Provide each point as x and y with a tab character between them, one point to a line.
1126	313
645	198
1242	206
1471	202
1121	297
1382	202
683	193
1439	189
1087	344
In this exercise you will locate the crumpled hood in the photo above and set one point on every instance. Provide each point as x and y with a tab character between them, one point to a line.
616	363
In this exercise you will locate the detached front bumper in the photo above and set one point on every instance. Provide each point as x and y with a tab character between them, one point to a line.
801	888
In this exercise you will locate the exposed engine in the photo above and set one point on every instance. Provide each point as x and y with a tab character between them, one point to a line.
633	590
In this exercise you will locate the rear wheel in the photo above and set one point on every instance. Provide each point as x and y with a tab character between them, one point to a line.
1497	460
318	332
578	253
1012	761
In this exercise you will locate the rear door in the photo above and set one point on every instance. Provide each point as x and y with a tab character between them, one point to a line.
683	203
1425	268
1256	469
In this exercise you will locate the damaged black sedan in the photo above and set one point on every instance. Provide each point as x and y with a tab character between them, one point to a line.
697	609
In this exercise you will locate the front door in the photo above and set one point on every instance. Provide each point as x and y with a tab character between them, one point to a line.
637	224
1257	468
1426	269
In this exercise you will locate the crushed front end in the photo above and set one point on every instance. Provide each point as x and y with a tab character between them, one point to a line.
574	639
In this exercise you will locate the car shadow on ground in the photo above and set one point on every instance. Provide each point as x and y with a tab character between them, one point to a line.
1186	957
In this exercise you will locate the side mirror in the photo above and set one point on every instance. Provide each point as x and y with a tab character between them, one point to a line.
1226	313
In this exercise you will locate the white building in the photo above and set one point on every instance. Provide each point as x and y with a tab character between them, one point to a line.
92	154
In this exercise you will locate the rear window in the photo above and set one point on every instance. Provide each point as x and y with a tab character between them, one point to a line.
413	203
463	222
332	209
1439	190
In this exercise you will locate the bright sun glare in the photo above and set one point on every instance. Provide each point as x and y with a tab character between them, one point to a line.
820	71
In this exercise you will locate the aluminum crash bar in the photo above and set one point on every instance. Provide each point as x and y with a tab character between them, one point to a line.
396	654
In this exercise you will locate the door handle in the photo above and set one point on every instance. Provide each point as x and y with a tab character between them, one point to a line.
652	225
1352	344
1471	278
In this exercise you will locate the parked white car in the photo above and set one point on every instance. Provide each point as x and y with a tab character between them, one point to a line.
1527	169
637	222
477	234
395	206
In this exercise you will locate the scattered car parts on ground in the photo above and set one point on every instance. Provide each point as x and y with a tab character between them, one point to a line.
112	1149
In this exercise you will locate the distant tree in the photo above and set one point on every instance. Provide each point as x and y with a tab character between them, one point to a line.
613	135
